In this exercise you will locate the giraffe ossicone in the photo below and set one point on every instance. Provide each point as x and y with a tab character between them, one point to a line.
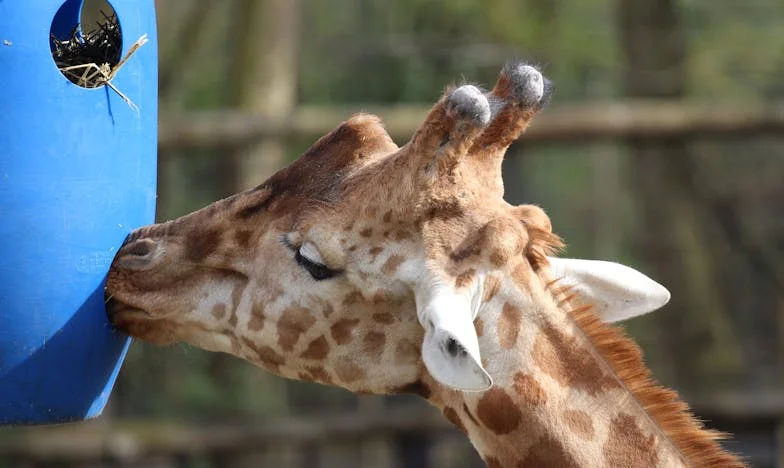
385	269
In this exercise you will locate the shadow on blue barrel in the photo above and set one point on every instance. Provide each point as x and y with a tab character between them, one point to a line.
77	174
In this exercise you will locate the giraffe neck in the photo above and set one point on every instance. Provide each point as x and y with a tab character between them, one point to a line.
558	400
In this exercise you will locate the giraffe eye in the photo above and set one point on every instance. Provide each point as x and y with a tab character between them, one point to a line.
308	257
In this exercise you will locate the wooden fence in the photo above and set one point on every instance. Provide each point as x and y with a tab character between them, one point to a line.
564	123
400	437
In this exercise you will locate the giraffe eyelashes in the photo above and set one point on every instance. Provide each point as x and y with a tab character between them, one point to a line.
309	258
318	271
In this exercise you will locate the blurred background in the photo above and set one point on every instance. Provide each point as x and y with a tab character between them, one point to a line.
663	148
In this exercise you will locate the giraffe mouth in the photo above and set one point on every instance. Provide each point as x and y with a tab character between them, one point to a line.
119	312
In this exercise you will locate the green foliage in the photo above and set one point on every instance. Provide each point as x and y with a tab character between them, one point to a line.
736	51
407	51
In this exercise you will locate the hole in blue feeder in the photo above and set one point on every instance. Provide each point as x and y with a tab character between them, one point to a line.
86	42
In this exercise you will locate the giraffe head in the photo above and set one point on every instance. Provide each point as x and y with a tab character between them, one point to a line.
363	264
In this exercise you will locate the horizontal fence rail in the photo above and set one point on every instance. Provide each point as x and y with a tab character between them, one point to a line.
567	122
134	440
128	441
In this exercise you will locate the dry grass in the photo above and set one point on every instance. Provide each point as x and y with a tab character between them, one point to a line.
92	59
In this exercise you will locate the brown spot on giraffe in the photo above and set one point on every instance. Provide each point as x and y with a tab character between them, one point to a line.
347	371
416	387
257	318
491	286
367	232
393	262
548	452
343	330
317	374
498	258
454	418
242	238
374	253
381	297
387	216
401	235
529	389
465	278
293	322
218	311
479	326
383	317
498	412
373	345
200	243
317	349
562	358
521	274
267	356
579	422
406	352
443	210
509	323
626	445
353	297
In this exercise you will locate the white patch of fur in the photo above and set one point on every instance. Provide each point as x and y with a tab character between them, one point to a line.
468	101
310	252
448	320
616	292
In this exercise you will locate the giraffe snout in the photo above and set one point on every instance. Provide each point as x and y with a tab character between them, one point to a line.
137	254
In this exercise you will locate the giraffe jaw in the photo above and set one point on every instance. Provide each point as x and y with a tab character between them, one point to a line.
139	323
118	310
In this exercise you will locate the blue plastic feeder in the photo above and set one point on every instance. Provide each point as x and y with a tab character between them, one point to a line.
77	174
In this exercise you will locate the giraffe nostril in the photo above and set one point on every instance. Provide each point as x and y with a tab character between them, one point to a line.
137	254
140	248
131	237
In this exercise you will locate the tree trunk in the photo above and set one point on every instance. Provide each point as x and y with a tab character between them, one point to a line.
670	237
265	70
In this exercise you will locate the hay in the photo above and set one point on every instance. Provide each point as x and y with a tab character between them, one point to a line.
92	59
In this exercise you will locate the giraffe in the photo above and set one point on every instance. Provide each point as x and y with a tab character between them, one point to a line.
385	269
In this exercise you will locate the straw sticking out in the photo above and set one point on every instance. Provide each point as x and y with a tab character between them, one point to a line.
92	59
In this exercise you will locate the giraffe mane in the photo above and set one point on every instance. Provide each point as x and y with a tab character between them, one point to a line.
671	414
541	244
699	445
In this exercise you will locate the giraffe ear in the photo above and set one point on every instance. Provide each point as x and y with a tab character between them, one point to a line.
616	292
450	349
